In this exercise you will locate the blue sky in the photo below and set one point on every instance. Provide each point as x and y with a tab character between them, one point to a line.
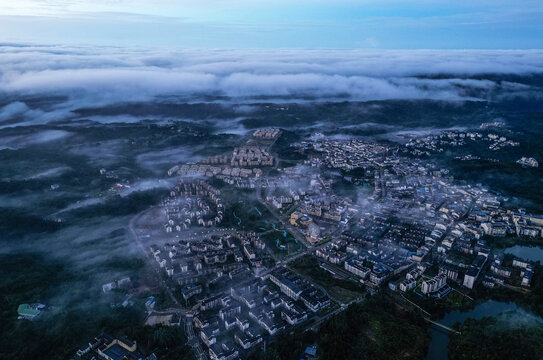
382	24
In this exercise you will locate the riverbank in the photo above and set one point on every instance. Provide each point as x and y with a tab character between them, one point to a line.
511	335
439	344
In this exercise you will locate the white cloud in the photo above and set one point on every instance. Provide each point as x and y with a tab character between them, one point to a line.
14	109
90	77
51	173
40	137
160	160
19	114
146	185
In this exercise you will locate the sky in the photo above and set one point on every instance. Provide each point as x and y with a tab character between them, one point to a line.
242	24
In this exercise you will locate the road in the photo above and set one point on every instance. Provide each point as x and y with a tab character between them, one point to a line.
193	341
148	255
443	326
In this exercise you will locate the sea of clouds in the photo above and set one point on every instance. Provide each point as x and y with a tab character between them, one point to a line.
98	76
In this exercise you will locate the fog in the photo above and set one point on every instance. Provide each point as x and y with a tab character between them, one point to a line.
39	137
160	160
96	76
56	132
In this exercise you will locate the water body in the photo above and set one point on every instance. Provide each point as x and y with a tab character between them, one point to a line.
276	229
531	253
439	342
238	218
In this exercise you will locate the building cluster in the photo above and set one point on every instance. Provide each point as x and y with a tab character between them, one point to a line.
497	124
384	264
217	159
313	197
267	133
193	202
345	154
322	202
251	156
437	143
368	258
210	260
516	272
297	288
241	168
417	230
306	224
278	201
107	347
432	215
436	285
501	222
333	252
327	208
383	233
225	172
467	257
528	162
232	324
288	188
468	254
310	200
413	190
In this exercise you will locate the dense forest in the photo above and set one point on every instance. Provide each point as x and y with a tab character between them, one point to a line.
59	332
375	329
489	338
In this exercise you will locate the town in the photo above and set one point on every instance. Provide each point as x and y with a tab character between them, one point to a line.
242	272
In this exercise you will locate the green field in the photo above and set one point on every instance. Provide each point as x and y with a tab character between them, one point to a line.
280	245
244	211
497	338
342	290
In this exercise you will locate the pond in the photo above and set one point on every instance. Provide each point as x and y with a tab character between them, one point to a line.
440	338
531	253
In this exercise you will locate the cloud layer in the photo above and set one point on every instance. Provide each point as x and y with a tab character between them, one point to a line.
90	77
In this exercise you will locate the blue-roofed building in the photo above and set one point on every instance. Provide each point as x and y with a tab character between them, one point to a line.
115	352
310	352
286	285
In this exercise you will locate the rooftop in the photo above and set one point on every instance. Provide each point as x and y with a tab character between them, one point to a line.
27	310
